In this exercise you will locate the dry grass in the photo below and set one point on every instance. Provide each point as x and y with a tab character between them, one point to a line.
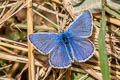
14	53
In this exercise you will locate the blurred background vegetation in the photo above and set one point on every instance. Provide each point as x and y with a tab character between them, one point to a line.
46	14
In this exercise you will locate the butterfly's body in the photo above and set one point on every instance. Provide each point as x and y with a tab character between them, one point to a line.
65	39
69	46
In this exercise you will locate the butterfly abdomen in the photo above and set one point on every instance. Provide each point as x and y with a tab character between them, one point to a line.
65	39
67	45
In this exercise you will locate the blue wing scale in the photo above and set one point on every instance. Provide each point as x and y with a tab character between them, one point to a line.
82	26
43	42
82	49
59	57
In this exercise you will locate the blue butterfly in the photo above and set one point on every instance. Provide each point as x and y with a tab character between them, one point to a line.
69	46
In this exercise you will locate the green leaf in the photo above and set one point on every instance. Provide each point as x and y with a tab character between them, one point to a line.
15	36
102	47
22	34
2	63
78	75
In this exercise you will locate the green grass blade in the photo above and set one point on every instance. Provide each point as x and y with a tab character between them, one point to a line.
114	9
112	12
102	49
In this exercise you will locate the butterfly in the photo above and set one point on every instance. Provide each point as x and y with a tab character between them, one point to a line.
69	46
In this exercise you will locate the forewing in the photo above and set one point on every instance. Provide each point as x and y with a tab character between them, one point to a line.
82	49
59	57
43	42
82	26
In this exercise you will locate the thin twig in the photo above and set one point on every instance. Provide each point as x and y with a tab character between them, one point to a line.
110	19
7	50
4	67
83	77
8	5
18	58
13	46
4	19
48	10
55	25
6	2
36	27
25	67
62	72
11	41
90	71
47	73
67	74
31	63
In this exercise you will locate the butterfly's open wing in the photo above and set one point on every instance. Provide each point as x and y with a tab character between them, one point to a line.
82	26
43	42
82	49
59	57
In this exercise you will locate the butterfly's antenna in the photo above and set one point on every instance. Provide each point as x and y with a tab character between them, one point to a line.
61	29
